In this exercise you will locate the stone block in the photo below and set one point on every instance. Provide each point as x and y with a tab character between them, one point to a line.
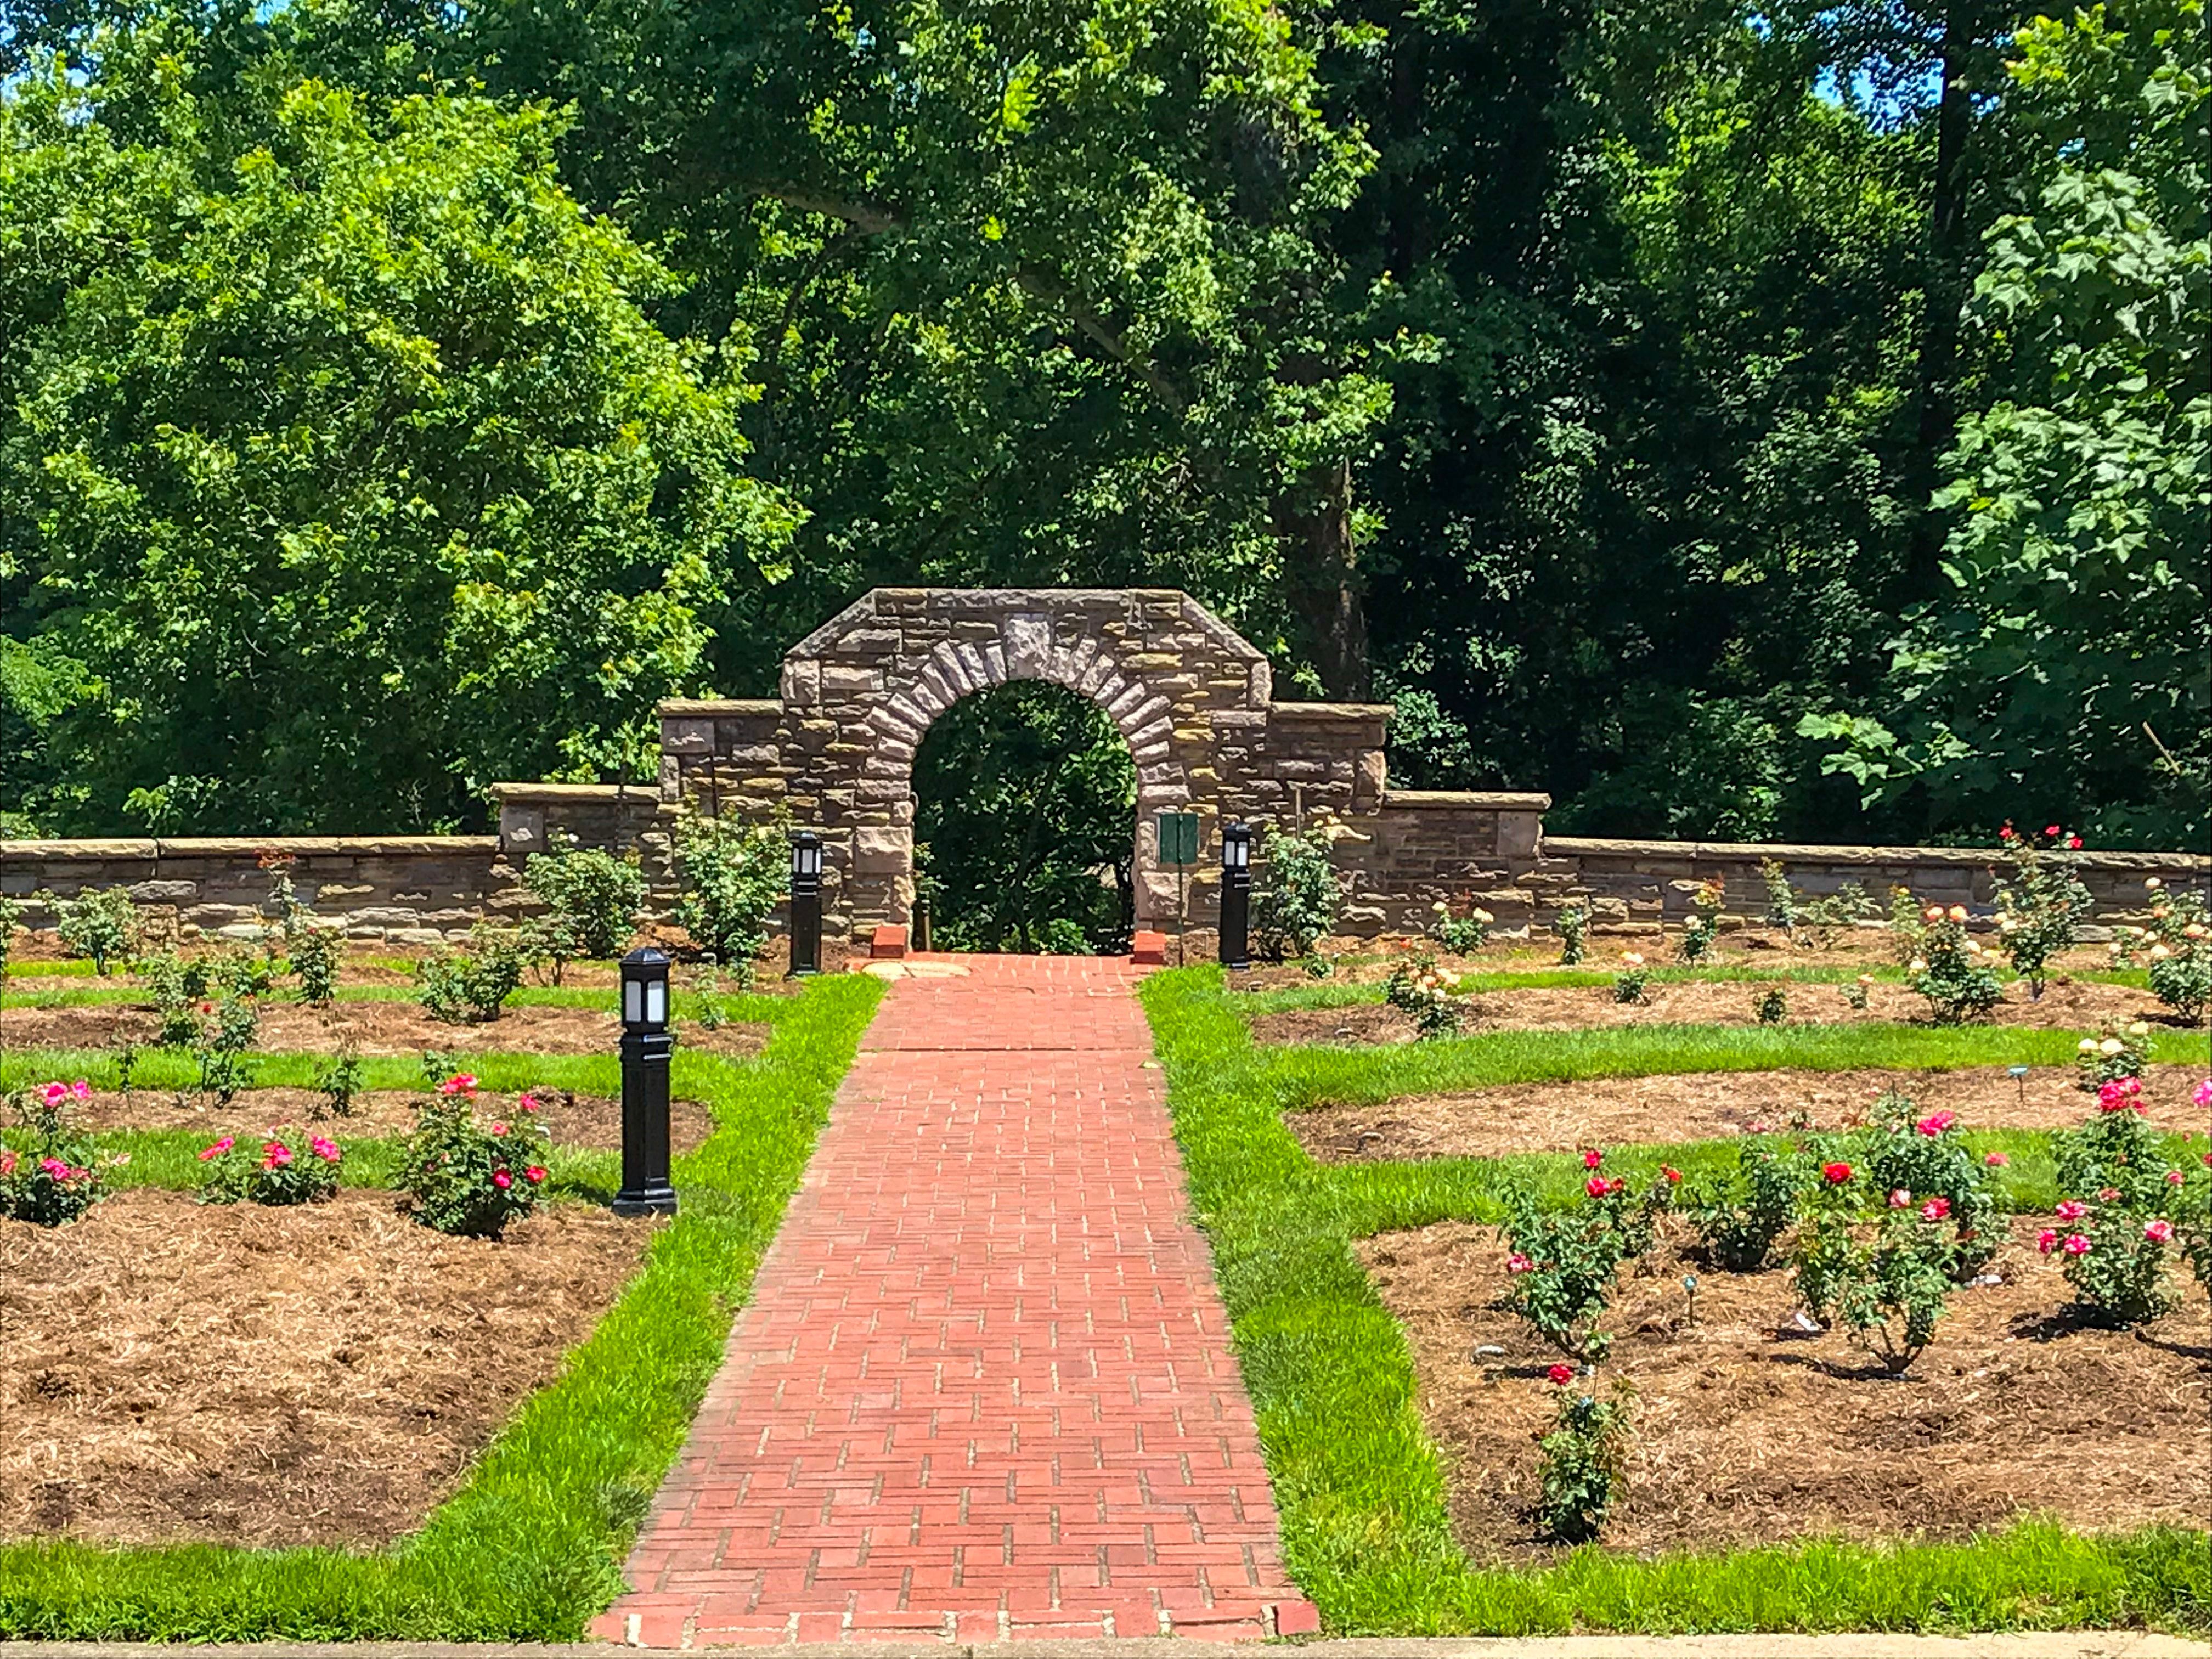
882	851
1026	639
165	892
687	737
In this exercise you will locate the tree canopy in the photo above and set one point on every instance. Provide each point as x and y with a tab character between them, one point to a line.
1738	421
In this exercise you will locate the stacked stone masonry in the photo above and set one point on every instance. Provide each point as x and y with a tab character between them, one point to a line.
834	751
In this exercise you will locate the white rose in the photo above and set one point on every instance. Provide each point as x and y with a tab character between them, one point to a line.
2138	1029
2110	1046
2088	1045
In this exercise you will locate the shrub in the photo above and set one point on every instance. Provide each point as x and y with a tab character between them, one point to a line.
2115	1223
2116	1052
1741	1220
1063	936
461	1177
1855	993
178	988
1461	935
1781	897
1297	891
338	1079
48	1176
1703	926
1415	989
275	1172
102	924
1571	923
461	989
2192	1216
731	875
591	901
312	951
1563	1262
1906	927
1923	1159
1630	983
1882	1268
220	1047
1823	919
1582	1461
11	917
2040	903
1771	1007
1952	971
239	973
2178	946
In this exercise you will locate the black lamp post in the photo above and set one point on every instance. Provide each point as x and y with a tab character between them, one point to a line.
806	904
646	1045
1235	895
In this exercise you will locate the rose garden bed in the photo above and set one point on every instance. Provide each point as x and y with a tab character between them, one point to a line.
1749	1431
2078	1005
1564	1117
320	1374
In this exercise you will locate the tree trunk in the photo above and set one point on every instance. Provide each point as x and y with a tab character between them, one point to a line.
1943	296
1321	579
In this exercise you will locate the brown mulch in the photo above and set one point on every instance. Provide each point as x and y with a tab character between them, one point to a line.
1745	1436
319	1375
572	1120
371	1028
2070	1004
1563	1117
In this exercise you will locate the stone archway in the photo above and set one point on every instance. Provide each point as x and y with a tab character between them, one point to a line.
1193	699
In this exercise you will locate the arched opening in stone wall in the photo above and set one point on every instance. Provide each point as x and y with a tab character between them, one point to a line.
1025	799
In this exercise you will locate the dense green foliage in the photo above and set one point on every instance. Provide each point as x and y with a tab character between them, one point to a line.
1024	797
1737	421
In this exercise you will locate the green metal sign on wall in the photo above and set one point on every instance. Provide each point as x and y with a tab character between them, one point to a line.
1178	837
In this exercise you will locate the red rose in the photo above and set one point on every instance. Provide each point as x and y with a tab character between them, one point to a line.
1836	1174
1592	1158
1561	1375
1673	1176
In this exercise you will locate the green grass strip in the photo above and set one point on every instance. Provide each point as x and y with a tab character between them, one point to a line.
531	1547
1359	1483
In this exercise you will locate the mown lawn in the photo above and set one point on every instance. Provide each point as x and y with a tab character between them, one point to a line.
1359	1483
530	1547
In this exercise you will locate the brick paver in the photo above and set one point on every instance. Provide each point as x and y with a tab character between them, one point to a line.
984	1387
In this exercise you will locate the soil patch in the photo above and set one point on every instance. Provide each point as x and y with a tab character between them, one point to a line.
320	1375
1564	1117
572	1120
1744	1437
371	1028
2072	1004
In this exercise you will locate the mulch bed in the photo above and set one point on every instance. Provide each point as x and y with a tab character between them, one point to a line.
371	1028
319	1375
2073	1005
1744	1436
573	1120
1562	1117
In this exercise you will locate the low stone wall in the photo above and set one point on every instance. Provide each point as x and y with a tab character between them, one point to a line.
403	889
1638	885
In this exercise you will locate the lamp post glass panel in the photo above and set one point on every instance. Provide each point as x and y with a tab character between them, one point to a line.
805	903
647	1044
1235	895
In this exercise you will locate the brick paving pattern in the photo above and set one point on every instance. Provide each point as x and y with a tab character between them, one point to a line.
984	1387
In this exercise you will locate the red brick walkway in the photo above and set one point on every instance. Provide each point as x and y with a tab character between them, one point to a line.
984	1387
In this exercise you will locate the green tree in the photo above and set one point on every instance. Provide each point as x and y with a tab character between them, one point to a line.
2066	675
336	453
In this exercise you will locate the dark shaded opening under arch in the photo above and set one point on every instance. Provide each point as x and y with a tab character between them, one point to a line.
1025	800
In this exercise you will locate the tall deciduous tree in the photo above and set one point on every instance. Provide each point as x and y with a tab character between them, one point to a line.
336	450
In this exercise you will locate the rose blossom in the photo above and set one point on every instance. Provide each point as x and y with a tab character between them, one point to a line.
497	1130
218	1149
279	1155
2070	1209
1935	1209
1518	1263
1592	1158
1996	1161
6	1162
1936	1122
1836	1174
1596	1187
2202	1094
325	1150
2047	1240
1561	1375
2160	1231
1673	1176
461	1082
2174	1177
1899	1199
534	1174
501	1179
2076	1245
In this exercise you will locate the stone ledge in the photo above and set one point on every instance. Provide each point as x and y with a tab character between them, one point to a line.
79	849
1577	847
251	846
1499	800
612	794
681	708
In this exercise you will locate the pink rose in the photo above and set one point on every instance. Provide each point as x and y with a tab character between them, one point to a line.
6	1162
1899	1199
325	1150
2159	1232
534	1174
2070	1209
1936	1122
2076	1245
217	1149
2202	1096
81	1089
528	1102
55	1168
1592	1158
1518	1263
498	1129
2174	1177
501	1179
2106	1195
2047	1240
54	1093
1596	1187
461	1082
278	1155
1935	1209
1996	1161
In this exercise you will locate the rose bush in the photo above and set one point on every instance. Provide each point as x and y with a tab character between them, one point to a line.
49	1171
461	1177
273	1171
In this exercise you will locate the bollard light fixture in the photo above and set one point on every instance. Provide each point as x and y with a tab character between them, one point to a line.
805	903
1235	895
647	1045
